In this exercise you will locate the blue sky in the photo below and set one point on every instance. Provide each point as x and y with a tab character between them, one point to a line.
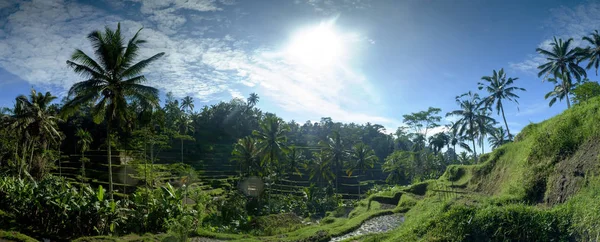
385	59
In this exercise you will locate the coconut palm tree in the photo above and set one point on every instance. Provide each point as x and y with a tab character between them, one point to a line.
562	59
111	80
294	160
562	90
438	141
253	99
469	116
464	158
591	53
363	158
245	153
498	138
185	125
500	89
187	103
36	126
335	146
485	126
271	140
320	169
85	139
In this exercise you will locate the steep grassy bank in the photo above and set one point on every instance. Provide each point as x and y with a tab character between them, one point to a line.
542	187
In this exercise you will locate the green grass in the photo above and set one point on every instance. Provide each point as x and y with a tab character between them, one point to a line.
517	191
336	226
15	236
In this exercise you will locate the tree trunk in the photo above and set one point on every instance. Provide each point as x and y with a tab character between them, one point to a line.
31	158
110	178
505	123
482	146
152	162
82	167
358	178
568	102
182	150
474	150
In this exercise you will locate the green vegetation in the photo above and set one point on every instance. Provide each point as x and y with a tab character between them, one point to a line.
232	172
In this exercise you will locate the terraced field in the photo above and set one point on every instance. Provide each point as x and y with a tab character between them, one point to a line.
213	172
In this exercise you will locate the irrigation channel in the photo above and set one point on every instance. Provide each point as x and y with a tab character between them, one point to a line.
378	224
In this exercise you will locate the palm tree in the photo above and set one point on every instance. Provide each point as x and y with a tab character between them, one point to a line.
561	90
85	139
562	59
294	160
271	140
245	153
185	125
36	126
111	80
485	126
363	158
592	52
187	103
498	138
438	141
335	146
500	89
253	99
469	117
464	158
320	169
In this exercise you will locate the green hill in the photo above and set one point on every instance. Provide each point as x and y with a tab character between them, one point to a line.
542	187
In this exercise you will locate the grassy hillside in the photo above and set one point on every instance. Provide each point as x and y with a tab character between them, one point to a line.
546	181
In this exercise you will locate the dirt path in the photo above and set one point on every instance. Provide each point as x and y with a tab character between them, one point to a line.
375	225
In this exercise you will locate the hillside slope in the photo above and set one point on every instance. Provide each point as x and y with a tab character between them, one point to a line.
542	187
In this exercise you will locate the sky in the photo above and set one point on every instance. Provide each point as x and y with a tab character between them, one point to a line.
352	60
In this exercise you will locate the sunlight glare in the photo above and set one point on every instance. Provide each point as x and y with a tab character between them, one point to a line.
318	46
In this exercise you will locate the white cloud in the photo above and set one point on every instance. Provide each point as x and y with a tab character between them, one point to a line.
42	34
564	23
329	7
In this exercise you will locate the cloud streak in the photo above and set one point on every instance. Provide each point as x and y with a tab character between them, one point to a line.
40	36
563	23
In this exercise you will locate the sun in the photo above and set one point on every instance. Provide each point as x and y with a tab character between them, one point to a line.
318	46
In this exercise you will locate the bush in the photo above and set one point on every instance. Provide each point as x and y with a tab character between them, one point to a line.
55	209
515	222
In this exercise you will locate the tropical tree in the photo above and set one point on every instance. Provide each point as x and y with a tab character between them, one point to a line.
438	141
498	138
591	53
187	103
362	158
294	160
335	146
500	89
423	121
320	169
400	166
185	125
36	127
111	80
253	99
485	125
85	139
469	117
562	89
464	158
245	153
584	91
271	140
562	59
